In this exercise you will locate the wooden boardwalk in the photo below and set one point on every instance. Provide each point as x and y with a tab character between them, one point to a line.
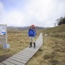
24	56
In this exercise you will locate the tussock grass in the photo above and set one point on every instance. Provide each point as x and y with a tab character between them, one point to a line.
52	51
18	41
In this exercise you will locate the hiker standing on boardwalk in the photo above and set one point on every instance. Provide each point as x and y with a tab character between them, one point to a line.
32	34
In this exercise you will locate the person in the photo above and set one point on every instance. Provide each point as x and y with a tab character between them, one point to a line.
32	34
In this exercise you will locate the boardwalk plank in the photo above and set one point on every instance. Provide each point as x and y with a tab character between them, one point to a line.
15	62
19	60
2	64
7	63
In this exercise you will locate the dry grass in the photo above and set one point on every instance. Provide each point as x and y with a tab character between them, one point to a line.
51	53
18	41
53	50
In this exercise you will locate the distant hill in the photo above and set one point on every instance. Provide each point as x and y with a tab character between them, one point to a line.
17	29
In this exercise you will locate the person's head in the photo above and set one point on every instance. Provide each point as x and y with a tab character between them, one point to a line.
32	26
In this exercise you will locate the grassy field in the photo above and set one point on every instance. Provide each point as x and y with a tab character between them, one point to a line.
57	29
51	53
53	50
18	41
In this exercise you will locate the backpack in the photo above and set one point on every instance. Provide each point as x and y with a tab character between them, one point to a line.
31	32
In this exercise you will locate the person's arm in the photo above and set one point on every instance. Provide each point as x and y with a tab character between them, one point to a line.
28	32
35	32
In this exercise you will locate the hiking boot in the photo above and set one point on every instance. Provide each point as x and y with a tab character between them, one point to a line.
34	45
30	44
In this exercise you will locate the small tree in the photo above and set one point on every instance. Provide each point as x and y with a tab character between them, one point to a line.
61	21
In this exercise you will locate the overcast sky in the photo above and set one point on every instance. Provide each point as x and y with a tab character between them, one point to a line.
26	12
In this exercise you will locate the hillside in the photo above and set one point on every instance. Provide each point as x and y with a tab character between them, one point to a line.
57	29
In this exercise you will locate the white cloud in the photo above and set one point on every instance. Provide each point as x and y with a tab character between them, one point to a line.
1	11
46	11
13	18
39	12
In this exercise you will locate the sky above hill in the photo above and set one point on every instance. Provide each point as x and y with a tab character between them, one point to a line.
42	13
